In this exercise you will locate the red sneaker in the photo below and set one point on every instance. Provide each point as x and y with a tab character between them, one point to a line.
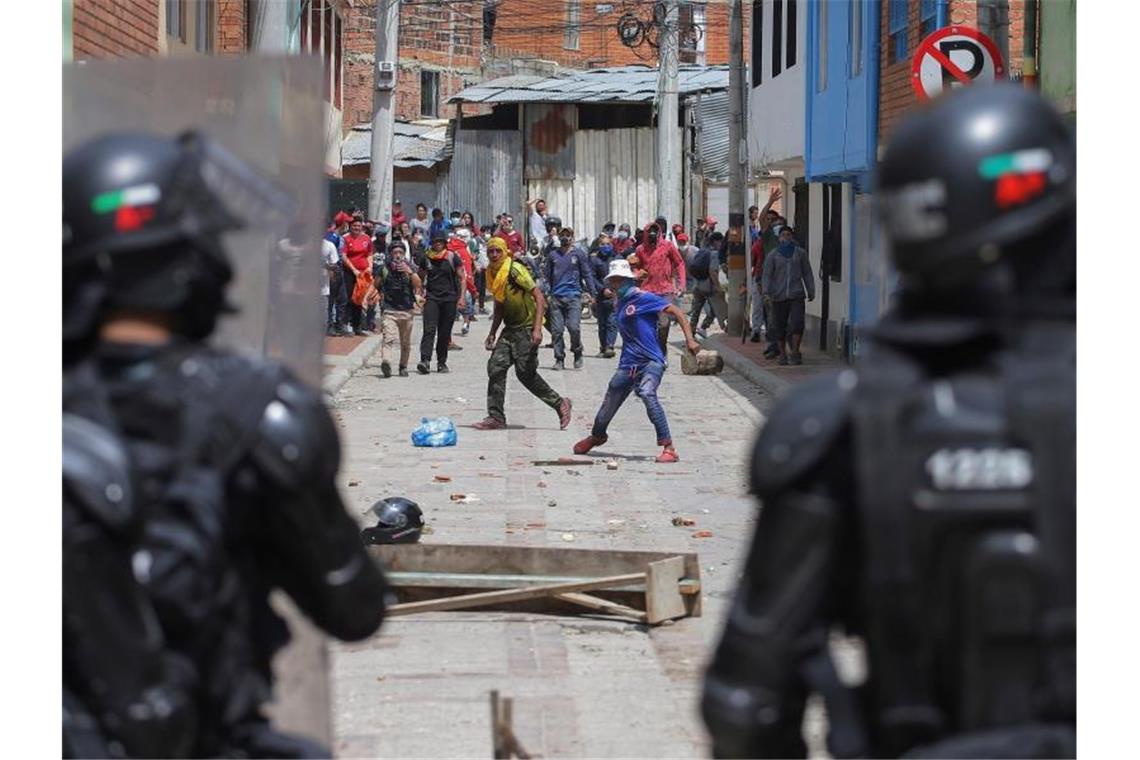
564	413
589	442
491	423
667	456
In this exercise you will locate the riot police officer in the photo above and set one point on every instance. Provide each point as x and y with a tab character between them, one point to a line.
237	455
927	501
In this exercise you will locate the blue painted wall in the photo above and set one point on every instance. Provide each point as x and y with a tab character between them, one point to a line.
842	116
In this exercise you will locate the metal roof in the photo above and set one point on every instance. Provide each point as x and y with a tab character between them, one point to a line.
618	84
413	144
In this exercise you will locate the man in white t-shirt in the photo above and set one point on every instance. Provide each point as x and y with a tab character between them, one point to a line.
330	261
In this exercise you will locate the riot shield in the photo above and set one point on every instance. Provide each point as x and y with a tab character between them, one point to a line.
266	116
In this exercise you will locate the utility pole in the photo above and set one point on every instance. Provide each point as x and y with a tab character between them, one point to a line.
383	109
668	134
737	274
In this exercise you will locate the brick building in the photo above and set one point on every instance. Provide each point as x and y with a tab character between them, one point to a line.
137	28
445	47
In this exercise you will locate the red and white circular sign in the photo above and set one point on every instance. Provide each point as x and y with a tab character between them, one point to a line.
954	56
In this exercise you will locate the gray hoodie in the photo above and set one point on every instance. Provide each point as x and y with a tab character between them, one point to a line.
786	279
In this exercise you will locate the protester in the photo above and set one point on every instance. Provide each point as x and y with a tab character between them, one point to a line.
467	219
608	231
398	215
537	220
704	270
604	308
768	236
459	245
623	243
642	363
519	307
338	299
398	287
567	275
701	232
662	272
332	287
445	284
438	224
481	262
357	263
508	233
787	280
421	221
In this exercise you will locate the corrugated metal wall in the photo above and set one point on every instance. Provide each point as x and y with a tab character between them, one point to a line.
486	173
614	181
550	144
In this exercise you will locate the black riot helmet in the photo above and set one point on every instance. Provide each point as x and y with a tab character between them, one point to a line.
553	223
400	521
977	193
143	222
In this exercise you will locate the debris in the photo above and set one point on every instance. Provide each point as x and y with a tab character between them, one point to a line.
482	457
460	400
684	522
427	530
542	484
564	462
574	472
435	432
567	536
442	478
536	525
705	511
552	503
458	496
352	483
615	522
612	465
711	569
703	534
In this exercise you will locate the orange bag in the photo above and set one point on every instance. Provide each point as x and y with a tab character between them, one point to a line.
363	283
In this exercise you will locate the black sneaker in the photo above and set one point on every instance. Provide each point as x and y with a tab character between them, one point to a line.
423	368
783	362
403	371
385	368
755	338
578	361
442	369
559	364
796	358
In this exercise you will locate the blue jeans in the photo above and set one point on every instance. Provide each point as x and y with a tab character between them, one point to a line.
644	382
566	313
606	313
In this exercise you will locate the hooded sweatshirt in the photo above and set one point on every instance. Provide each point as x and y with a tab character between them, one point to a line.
457	246
660	264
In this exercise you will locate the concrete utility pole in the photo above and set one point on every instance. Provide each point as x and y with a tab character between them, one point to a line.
737	276
668	135
383	109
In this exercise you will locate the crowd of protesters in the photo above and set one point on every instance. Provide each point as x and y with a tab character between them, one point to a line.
441	266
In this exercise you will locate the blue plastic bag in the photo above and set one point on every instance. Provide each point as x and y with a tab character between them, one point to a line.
437	432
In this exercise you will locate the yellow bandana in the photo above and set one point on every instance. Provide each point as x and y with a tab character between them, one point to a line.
500	270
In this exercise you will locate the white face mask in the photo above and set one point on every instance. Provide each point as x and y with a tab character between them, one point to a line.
623	235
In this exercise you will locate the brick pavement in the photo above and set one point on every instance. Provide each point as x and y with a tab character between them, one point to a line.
584	686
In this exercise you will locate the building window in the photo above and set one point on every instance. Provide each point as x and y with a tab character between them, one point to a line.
896	31
573	22
778	37
757	42
821	77
790	60
204	26
927	17
691	33
856	38
429	94
176	19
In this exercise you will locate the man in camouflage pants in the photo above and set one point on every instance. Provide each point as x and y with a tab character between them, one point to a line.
519	304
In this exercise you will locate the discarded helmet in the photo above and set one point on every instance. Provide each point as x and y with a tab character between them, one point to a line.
400	521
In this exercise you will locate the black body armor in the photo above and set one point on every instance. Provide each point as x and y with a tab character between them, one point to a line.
125	694
928	505
241	460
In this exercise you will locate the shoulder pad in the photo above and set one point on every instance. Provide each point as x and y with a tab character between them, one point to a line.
97	472
297	441
800	430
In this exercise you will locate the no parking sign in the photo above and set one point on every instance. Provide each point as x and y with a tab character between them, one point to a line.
954	56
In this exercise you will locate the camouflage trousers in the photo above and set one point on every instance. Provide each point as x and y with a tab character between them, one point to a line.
515	347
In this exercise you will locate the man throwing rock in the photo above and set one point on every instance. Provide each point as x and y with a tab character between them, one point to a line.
519	305
642	363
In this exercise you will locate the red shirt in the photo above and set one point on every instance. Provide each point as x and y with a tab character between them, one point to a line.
398	218
460	249
358	250
660	264
513	238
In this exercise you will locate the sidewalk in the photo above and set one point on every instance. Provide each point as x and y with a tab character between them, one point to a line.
748	359
343	356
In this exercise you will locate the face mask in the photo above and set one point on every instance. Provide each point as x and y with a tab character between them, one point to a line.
623	235
652	238
606	250
786	247
565	241
624	288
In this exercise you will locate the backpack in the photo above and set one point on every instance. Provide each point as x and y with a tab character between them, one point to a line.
699	268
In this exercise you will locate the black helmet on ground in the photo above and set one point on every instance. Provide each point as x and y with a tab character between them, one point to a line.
977	193
143	220
400	521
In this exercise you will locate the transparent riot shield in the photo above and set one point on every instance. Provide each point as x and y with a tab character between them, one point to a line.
267	113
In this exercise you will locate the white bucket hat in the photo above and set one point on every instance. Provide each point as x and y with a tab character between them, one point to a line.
619	268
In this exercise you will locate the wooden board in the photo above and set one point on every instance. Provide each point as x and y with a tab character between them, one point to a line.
487	598
663	599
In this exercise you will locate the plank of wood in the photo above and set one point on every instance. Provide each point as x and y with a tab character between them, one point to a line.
484	598
663	599
601	605
405	579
